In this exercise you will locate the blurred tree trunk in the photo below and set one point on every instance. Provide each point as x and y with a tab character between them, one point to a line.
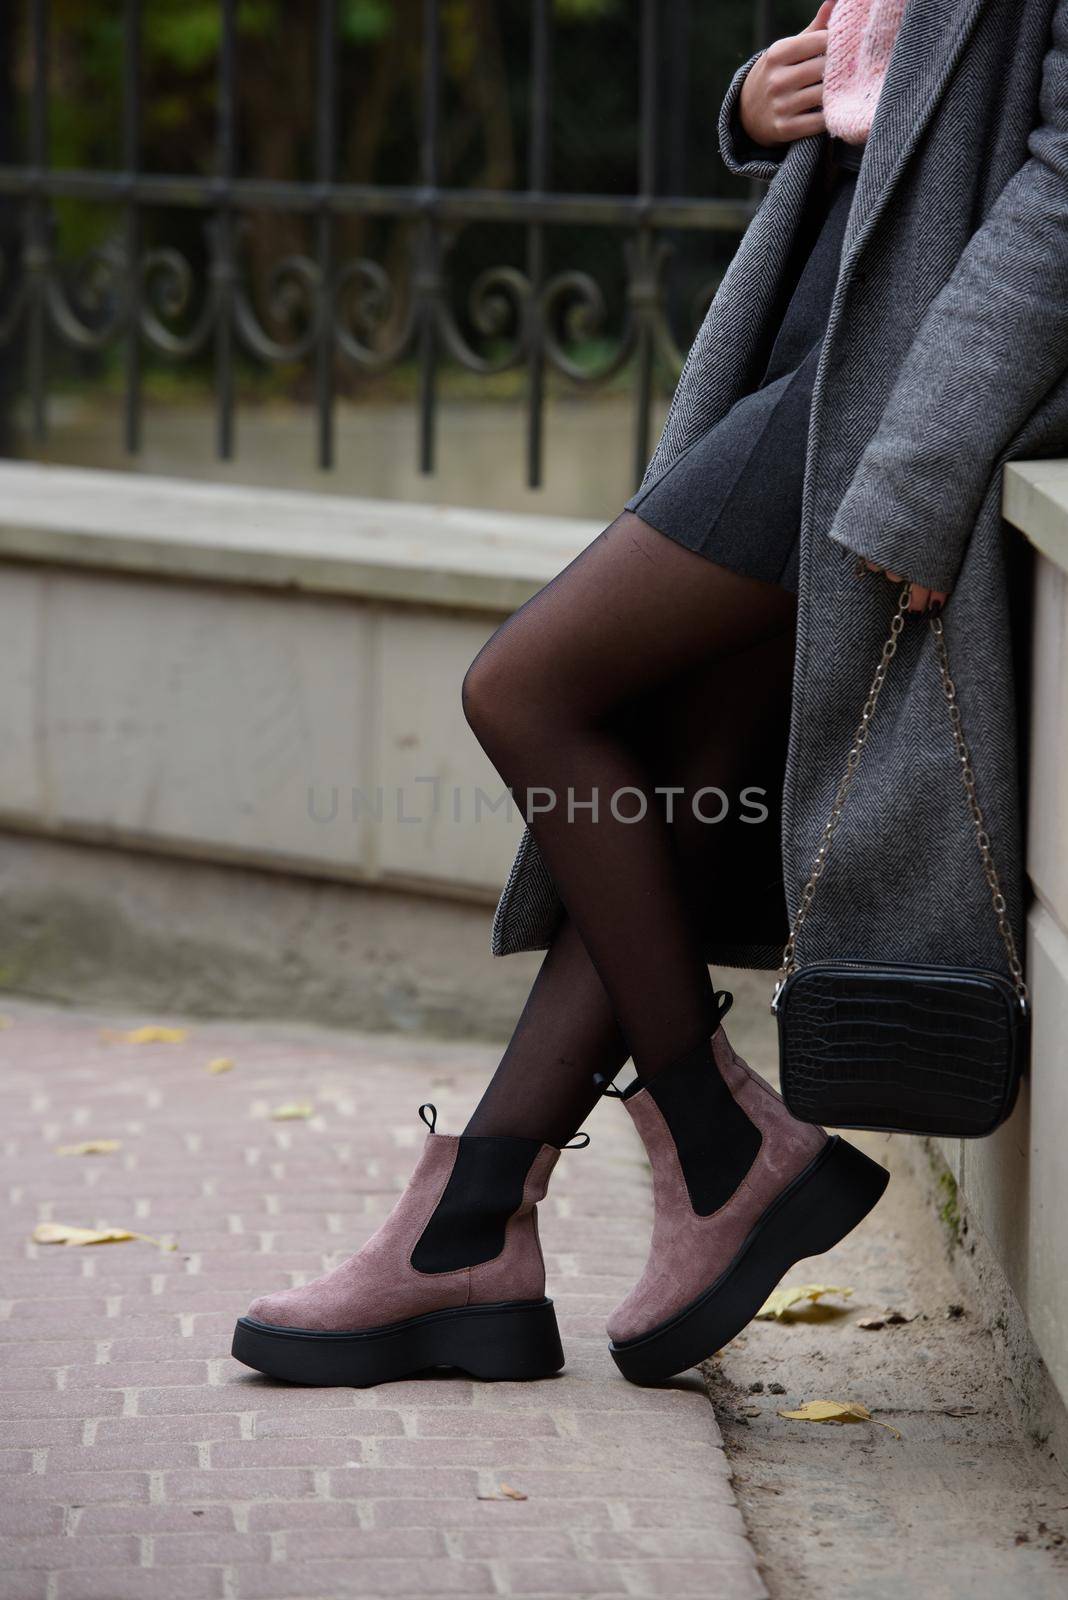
10	230
280	75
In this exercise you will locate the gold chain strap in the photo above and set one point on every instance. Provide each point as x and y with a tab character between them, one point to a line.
967	776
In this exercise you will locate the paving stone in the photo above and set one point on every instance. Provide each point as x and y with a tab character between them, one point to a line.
545	1577
370	1422
206	1545
138	1583
153	1519
404	1576
54	1554
355	1543
30	1521
200	1427
78	1488
504	1517
147	1465
485	1424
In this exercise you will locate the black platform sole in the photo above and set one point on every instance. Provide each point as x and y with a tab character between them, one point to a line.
515	1339
822	1205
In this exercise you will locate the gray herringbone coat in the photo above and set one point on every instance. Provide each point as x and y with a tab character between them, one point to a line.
946	354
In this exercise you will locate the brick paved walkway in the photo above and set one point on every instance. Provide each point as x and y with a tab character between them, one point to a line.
141	1463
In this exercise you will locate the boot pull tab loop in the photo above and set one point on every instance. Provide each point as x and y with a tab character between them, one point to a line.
432	1120
724	1000
606	1087
573	1144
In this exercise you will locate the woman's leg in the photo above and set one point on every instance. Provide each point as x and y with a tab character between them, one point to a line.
721	723
566	1046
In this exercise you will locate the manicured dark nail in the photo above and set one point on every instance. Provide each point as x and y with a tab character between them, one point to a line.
936	607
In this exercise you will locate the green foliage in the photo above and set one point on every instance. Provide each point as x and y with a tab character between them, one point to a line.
486	117
365	21
949	1206
584	10
186	35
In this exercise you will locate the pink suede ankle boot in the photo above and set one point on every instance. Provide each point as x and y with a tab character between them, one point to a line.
454	1277
741	1191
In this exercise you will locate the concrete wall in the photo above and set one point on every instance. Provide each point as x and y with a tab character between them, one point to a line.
1014	1186
272	680
197	678
266	687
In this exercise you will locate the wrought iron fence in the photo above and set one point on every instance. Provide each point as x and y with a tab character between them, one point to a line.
143	299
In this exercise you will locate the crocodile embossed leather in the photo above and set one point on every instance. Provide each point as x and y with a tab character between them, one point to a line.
904	1049
896	1048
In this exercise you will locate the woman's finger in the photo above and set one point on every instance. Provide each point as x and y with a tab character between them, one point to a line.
799	47
801	126
800	103
820	20
822	17
799	78
920	598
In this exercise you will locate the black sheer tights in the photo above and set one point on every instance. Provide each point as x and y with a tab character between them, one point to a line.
642	667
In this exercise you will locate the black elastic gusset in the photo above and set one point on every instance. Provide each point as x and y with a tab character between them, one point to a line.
716	1142
485	1188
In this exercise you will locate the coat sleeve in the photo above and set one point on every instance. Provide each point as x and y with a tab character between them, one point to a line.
993	342
742	155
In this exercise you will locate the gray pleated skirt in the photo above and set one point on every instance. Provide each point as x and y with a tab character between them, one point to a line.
734	496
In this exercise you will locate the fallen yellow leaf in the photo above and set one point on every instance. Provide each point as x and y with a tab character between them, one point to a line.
63	1233
295	1112
90	1147
6	1021
836	1411
220	1064
504	1491
153	1033
781	1300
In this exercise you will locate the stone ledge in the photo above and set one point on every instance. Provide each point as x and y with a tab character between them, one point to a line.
1035	500
375	549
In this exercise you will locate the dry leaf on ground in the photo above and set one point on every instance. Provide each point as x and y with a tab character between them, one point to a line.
153	1033
782	1300
298	1111
836	1411
60	1233
888	1319
6	1021
504	1491
63	1233
90	1147
220	1064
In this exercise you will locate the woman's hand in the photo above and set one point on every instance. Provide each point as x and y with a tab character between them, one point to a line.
922	599
782	96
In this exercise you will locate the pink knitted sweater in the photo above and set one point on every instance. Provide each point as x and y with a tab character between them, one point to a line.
860	38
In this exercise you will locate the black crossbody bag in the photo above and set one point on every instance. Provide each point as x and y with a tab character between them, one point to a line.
899	1048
